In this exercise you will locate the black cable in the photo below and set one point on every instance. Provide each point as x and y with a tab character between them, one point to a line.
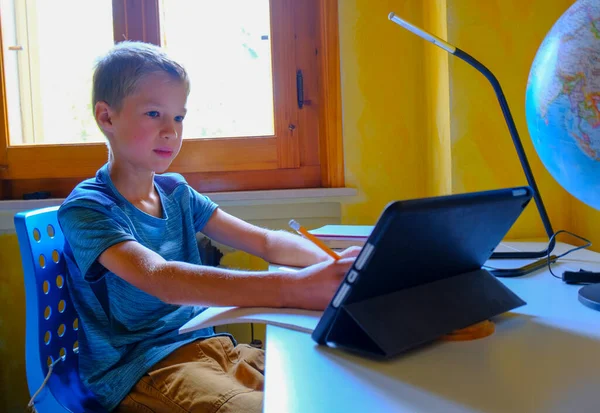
588	244
255	342
546	261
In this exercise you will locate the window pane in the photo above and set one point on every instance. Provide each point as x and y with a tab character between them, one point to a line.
225	46
11	50
62	48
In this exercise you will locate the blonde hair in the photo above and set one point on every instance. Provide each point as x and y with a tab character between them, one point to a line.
118	73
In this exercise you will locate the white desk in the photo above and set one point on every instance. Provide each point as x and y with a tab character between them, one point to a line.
543	357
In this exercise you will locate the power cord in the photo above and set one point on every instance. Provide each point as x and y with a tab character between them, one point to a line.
31	404
256	343
571	277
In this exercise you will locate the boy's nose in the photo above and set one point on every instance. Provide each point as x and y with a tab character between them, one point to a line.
170	132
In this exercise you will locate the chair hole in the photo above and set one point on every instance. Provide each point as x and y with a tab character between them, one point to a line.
55	256
61	330
46	287
49	361
62	304
60	281
37	236
47	312
50	230
47	337
62	353
76	324
42	261
76	347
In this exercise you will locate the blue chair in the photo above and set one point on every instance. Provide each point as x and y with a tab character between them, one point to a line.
51	320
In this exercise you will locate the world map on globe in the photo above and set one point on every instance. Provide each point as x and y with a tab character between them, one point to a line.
563	101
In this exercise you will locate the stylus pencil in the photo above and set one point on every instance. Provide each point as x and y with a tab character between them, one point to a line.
301	230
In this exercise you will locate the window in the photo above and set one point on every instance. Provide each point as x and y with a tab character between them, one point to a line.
230	64
265	107
49	71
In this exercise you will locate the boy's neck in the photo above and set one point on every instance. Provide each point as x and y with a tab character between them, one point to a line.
135	185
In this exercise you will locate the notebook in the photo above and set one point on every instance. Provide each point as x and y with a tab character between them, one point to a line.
292	318
343	236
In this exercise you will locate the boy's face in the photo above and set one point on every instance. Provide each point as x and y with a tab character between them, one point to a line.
146	132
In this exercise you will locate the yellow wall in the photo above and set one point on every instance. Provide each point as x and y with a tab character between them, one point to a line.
13	382
385	134
437	117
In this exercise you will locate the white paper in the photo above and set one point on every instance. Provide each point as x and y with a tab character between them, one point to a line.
295	319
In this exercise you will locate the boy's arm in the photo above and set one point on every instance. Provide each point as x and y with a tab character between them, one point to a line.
278	247
181	283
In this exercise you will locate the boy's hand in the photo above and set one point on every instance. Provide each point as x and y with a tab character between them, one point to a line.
313	287
350	252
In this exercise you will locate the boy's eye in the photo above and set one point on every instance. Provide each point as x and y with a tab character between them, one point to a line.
179	118
153	114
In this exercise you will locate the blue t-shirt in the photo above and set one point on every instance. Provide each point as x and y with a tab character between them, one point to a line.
116	349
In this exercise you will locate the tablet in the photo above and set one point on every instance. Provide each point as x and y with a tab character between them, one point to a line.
419	275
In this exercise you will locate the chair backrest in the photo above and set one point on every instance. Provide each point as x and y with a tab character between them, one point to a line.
51	319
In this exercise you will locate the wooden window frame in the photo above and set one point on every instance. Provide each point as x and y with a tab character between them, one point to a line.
305	151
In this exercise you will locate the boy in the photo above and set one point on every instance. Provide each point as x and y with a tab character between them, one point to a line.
134	269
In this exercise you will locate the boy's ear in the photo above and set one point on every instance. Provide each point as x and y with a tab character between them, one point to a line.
103	113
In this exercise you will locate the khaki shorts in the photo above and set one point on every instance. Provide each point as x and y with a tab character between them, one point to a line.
208	375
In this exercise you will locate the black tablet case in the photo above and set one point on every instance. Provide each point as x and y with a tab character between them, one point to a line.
420	276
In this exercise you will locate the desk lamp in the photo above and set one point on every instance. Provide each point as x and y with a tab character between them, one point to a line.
511	127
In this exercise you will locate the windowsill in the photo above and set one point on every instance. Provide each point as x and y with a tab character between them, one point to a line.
283	197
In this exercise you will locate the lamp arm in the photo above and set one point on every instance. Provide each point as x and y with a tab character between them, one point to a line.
513	133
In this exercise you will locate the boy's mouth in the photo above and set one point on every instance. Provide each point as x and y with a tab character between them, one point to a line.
163	152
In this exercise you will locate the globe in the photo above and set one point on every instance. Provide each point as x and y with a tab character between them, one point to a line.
563	101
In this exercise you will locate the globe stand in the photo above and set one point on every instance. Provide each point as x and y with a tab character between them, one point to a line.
590	296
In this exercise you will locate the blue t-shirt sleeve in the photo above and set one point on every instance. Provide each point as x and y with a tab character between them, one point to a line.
89	232
202	208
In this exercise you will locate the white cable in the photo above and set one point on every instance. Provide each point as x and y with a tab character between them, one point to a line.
51	367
